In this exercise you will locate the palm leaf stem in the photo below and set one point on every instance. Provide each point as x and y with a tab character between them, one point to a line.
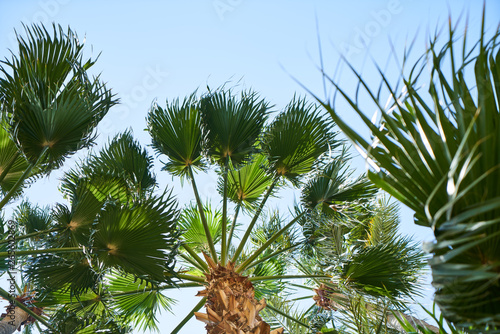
279	277
42	251
192	262
238	251
23	177
189	316
224	246
12	279
165	287
233	224
301	298
202	214
270	256
191	278
195	257
286	315
26	309
9	165
268	243
34	234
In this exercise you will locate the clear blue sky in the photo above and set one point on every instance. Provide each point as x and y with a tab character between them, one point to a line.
166	49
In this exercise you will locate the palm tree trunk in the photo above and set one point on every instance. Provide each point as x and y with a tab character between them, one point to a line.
13	320
231	305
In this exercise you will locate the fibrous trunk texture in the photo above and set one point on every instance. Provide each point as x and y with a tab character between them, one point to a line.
231	305
13	319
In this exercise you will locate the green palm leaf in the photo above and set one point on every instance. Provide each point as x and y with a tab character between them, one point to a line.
140	239
51	104
247	185
138	300
191	225
296	138
176	131
32	218
332	187
12	163
122	170
232	126
437	152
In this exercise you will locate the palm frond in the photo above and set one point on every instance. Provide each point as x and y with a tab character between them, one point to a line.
247	185
437	152
176	132
140	239
332	187
296	138
232	125
51	103
138	300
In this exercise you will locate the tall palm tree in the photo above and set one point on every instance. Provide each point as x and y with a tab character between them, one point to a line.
437	152
50	107
374	271
253	159
101	262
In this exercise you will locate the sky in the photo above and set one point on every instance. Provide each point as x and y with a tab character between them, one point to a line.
160	50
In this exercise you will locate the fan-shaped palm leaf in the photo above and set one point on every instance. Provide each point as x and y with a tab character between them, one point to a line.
193	232
296	138
32	218
246	185
12	162
52	105
135	238
331	187
176	131
122	170
137	300
232	126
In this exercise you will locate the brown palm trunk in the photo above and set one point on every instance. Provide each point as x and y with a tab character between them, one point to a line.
13	320
231	305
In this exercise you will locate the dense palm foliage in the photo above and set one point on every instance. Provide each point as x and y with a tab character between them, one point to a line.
104	260
437	152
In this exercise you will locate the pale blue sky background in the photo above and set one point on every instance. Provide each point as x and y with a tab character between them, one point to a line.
166	49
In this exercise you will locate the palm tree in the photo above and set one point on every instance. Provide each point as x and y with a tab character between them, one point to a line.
437	152
101	262
50	108
254	160
374	271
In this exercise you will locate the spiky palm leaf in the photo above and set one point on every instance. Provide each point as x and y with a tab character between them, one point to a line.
193	233
296	138
137	300
332	186
135	238
232	126
50	102
437	152
176	132
247	185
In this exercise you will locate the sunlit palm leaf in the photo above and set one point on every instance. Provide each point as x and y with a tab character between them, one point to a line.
138	300
232	125
12	163
51	102
192	227
332	187
247	184
441	160
296	138
176	132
